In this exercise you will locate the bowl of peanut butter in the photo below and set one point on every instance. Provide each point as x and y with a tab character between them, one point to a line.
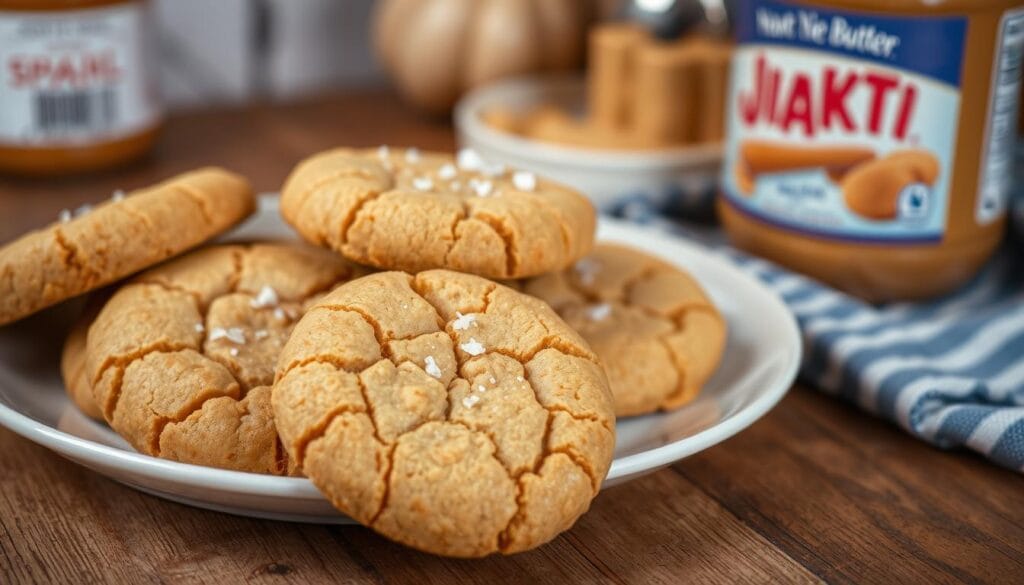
646	120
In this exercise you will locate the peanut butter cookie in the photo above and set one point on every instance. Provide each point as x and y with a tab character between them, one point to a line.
446	412
89	248
403	210
72	359
181	359
657	334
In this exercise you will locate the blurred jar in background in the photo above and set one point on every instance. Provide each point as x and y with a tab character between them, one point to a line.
871	143
77	85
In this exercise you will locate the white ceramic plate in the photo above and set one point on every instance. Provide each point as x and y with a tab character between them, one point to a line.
759	365
685	176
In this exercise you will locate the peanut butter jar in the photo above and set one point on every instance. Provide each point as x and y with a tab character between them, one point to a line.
77	85
870	142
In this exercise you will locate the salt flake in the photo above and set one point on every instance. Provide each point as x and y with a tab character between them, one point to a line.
118	195
469	160
64	216
412	155
383	152
233	351
447	171
432	367
481	188
524	181
599	312
236	335
422	184
472	347
267	297
462	322
470	401
232	334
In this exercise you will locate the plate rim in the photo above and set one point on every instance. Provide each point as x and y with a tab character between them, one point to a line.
664	455
95	455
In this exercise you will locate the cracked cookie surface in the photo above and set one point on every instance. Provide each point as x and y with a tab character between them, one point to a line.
445	411
181	359
402	210
94	247
656	332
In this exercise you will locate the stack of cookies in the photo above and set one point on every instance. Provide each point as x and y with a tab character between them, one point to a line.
445	362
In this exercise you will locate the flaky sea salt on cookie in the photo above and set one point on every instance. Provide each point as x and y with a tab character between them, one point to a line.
181	359
93	246
446	412
406	210
657	333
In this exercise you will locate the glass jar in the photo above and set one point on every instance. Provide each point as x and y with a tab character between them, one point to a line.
870	142
77	85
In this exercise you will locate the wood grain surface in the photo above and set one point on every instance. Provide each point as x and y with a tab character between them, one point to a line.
814	491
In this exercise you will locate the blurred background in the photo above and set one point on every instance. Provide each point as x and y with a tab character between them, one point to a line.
229	51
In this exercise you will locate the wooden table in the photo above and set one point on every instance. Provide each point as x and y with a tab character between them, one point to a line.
815	490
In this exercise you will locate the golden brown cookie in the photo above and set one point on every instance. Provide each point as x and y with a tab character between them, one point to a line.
182	358
446	412
657	334
72	359
403	210
93	247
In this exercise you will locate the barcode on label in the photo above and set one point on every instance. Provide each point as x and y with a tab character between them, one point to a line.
71	111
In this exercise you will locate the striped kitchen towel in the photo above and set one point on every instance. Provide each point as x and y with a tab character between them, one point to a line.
950	371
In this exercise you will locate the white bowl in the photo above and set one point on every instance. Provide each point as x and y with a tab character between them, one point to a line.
685	176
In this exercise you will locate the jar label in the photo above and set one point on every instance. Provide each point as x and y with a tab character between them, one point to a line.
843	124
75	77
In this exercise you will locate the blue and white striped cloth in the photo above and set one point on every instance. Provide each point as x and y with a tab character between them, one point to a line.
949	371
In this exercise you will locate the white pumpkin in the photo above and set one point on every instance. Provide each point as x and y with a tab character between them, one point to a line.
437	49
